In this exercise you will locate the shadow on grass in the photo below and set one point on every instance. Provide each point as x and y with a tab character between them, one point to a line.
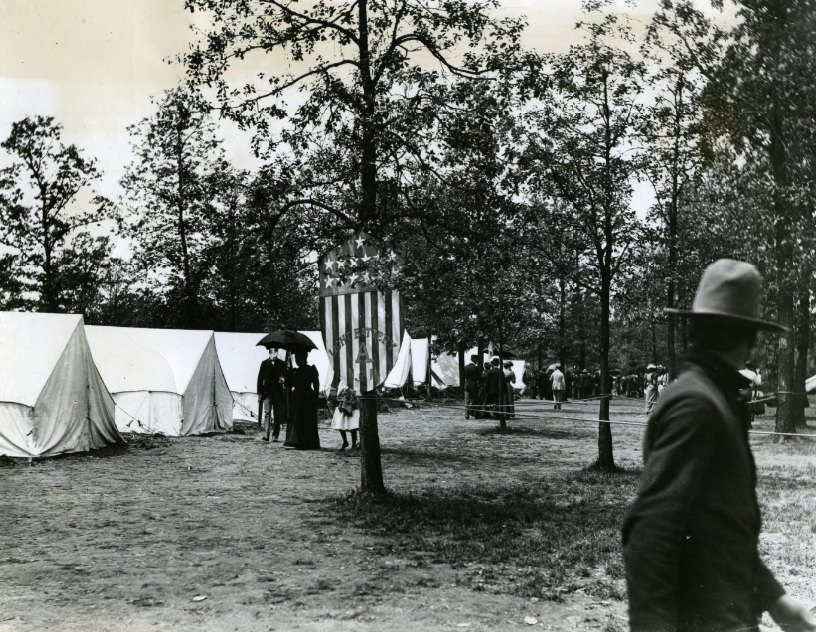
540	541
548	432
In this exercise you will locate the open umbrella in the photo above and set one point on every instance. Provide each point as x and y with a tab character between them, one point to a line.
506	353
287	340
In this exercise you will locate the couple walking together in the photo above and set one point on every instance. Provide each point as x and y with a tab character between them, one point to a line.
289	396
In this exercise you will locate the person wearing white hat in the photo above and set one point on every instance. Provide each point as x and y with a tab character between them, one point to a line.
690	539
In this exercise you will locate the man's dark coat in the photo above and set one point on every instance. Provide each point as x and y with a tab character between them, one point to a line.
472	375
268	380
495	386
690	539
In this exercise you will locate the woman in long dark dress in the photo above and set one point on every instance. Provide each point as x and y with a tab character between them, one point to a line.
303	385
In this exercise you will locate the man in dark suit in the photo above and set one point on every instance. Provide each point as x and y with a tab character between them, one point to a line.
472	376
690	540
495	389
272	394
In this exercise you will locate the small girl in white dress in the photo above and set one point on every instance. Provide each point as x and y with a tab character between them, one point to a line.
347	415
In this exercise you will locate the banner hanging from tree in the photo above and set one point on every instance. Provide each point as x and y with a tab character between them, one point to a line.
362	324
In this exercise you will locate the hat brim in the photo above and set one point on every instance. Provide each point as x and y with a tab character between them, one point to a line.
756	323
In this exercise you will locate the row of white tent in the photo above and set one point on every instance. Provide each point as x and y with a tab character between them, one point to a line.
68	387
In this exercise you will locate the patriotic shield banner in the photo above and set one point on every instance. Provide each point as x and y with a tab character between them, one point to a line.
362	324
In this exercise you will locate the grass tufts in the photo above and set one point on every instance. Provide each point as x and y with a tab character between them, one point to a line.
542	540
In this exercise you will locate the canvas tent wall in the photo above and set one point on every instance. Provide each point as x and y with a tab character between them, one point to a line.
419	365
413	360
166	381
52	398
241	359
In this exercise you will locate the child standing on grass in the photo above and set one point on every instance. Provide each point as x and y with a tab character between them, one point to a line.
346	417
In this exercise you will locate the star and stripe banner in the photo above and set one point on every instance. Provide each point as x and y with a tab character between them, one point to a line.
362	324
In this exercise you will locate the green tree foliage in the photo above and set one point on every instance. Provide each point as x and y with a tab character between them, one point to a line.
261	263
458	224
356	99
360	96
584	146
672	161
47	211
759	101
168	191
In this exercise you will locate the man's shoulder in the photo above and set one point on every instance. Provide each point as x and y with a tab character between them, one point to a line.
692	390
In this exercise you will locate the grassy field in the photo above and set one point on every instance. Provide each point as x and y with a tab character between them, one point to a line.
480	530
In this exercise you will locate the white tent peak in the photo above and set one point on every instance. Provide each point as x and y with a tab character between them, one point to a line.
159	360
35	341
52	398
163	380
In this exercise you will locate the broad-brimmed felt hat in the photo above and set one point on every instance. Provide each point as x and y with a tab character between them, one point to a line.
729	290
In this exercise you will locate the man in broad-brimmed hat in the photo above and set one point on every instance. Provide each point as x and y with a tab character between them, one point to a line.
690	538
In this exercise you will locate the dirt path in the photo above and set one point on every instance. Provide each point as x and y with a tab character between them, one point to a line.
230	533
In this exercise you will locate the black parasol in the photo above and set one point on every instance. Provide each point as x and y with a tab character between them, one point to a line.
288	340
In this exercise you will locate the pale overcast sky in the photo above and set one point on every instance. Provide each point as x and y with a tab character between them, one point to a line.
94	64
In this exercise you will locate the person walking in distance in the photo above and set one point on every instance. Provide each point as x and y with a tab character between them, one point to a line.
558	386
650	391
690	539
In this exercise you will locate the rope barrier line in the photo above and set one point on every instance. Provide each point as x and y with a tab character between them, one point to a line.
546	416
132	419
245	409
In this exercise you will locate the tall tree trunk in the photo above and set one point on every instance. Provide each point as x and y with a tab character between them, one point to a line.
460	352
671	230
371	476
653	327
786	285
802	346
48	298
671	323
188	291
606	459
582	343
562	323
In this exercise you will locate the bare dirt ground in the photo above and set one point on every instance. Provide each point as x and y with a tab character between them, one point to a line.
230	533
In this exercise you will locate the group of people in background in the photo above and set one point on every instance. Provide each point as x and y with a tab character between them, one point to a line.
288	394
489	391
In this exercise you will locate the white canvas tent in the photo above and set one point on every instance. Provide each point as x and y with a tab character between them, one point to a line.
241	359
52	398
419	365
810	384
165	381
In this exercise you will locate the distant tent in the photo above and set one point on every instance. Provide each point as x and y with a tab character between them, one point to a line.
399	373
165	381
241	358
810	384
52	398
419	365
448	368
413	360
